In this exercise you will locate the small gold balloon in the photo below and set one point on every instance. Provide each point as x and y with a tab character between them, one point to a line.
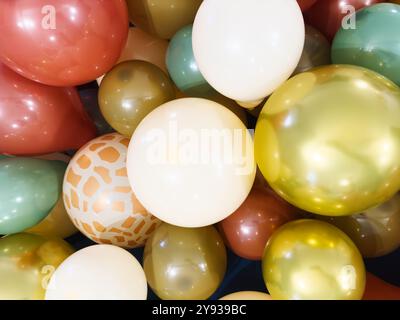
247	295
184	263
27	262
328	140
313	260
375	232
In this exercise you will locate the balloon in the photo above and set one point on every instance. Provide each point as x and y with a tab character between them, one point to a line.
326	141
248	229
182	66
377	289
231	105
27	262
100	272
143	46
38	119
306	4
191	162
29	189
162	18
328	15
54	156
247	295
395	1
233	57
183	263
62	42
98	196
57	223
316	52
312	260
374	43
130	91
375	232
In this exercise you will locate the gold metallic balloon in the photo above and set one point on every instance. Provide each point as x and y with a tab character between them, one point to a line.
27	262
162	18
328	140
376	232
184	264
313	260
130	91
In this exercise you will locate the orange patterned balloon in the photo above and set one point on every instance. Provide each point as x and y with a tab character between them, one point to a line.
98	196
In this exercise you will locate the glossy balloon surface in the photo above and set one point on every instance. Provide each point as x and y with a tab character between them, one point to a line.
247	295
306	4
377	289
327	140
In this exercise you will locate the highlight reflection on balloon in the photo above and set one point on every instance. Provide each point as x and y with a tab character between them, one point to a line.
184	263
313	260
327	142
27	262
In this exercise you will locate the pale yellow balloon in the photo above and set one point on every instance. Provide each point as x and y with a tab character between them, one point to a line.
247	295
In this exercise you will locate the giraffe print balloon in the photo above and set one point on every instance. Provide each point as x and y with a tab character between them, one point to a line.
98	196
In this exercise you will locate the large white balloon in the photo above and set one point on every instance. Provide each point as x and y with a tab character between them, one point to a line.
99	272
247	48
191	162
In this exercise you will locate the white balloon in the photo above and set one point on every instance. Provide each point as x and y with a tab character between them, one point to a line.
246	49
99	272
191	162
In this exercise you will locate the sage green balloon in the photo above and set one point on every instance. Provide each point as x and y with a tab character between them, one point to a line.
182	65
374	43
29	189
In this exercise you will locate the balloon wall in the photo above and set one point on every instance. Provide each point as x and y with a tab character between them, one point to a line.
200	149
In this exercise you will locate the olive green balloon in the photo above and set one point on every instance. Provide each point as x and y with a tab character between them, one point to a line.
374	42
29	189
130	91
184	264
328	140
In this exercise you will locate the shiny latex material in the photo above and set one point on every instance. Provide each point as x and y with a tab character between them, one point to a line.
374	44
162	18
27	262
182	65
183	263
186	157
29	189
377	289
99	198
143	46
313	260
247	295
306	4
62	42
38	119
130	91
316	52
327	140
327	15
375	232
248	229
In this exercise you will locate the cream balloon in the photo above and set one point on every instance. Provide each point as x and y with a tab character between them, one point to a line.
245	49
247	295
99	272
191	162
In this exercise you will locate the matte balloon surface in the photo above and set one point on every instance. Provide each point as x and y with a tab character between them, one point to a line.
306	4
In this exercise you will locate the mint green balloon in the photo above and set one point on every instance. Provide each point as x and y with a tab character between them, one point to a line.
182	66
29	189
374	43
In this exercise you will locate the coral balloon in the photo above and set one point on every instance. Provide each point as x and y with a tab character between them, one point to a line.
100	272
374	43
328	15
29	189
326	140
130	91
183	263
38	119
377	289
248	229
313	260
162	18
27	262
191	162
232	56
98	196
306	4
247	295
70	42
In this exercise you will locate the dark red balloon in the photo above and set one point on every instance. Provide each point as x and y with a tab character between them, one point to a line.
327	15
62	42
306	4
38	119
248	229
377	289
